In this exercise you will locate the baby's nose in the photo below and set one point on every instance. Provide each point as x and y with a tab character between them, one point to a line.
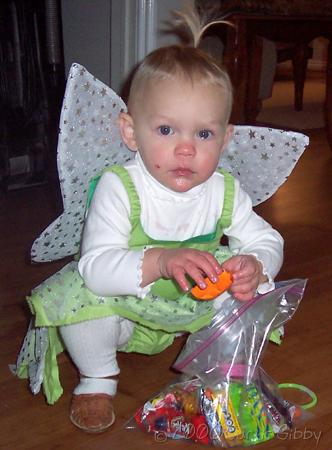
185	148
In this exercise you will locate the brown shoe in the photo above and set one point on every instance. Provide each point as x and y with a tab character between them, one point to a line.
92	413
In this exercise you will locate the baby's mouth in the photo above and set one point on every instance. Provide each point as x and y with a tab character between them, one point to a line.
182	172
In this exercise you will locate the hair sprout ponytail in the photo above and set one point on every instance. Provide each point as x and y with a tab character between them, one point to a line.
187	61
195	23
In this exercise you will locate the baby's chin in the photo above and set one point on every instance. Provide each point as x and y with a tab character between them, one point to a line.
181	185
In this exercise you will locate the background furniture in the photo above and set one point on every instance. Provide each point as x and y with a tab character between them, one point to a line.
299	54
294	24
31	89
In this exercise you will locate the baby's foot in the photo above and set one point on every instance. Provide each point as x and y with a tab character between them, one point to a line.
92	413
91	408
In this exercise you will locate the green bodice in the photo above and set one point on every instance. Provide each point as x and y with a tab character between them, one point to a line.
139	239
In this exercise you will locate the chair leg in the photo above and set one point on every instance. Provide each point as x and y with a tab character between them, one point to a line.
253	103
302	53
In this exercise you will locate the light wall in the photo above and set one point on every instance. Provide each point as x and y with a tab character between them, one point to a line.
95	39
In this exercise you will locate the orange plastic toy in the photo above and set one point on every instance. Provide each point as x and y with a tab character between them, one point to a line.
212	290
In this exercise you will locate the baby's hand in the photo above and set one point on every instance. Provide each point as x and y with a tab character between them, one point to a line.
177	263
247	274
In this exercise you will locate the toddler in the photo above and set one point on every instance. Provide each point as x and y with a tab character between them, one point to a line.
155	225
153	229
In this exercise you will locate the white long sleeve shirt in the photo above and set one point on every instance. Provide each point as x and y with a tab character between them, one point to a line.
110	268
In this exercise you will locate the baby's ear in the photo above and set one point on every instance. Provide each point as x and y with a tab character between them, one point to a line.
126	125
228	136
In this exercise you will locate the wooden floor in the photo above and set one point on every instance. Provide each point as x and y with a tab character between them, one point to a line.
301	210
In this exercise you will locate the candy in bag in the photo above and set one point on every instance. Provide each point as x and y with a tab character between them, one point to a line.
225	398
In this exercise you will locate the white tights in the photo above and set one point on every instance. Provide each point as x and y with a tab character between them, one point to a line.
92	346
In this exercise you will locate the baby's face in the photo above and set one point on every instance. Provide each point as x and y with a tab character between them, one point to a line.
180	131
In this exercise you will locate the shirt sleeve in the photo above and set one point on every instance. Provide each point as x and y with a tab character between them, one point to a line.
107	265
250	234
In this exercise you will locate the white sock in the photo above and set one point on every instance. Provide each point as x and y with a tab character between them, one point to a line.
96	386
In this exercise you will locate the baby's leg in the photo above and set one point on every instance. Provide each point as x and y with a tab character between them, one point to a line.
92	346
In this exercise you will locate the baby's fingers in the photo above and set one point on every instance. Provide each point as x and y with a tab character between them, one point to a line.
244	290
239	281
179	276
244	297
196	273
206	266
192	271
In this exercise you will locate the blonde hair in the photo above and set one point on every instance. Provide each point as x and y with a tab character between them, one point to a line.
188	63
177	61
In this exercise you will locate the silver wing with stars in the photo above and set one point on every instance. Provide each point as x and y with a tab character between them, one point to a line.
89	140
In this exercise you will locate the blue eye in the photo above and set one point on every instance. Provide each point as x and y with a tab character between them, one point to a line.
165	130
204	134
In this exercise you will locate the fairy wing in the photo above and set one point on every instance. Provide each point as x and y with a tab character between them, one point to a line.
89	140
262	158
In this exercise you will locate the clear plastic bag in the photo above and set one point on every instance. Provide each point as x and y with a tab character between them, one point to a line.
225	398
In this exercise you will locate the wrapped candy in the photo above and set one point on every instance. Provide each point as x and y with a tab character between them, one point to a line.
212	290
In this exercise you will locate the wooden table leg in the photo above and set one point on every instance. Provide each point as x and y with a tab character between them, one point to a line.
328	97
301	53
236	62
253	103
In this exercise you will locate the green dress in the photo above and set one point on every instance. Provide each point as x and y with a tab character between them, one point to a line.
64	299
